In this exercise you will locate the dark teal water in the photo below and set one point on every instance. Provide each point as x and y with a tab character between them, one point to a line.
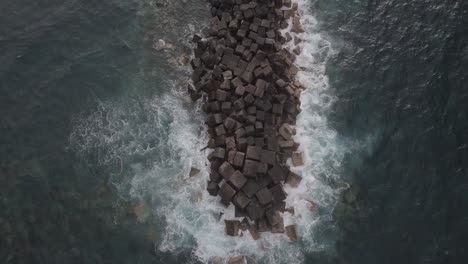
59	58
401	81
399	75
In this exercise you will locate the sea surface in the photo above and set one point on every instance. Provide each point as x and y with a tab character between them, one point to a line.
97	135
400	74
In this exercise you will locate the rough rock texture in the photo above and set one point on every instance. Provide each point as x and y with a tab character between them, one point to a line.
245	78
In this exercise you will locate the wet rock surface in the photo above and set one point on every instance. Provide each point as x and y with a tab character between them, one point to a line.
245	78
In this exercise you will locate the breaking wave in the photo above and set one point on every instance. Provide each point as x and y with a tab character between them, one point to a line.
153	143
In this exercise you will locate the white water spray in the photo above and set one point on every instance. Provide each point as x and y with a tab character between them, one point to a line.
166	134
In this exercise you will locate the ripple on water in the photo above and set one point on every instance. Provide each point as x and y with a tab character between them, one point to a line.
160	139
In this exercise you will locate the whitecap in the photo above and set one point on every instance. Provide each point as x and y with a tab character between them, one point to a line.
156	141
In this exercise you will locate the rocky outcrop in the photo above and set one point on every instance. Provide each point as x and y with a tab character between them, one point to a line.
245	78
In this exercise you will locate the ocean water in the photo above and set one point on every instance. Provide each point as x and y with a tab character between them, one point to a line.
98	136
152	142
400	78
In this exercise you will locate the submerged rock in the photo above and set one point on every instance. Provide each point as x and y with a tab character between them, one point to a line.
140	211
194	172
298	159
311	205
237	260
349	197
293	179
254	232
162	45
291	232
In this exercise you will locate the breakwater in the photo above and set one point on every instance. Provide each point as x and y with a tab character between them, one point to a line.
246	79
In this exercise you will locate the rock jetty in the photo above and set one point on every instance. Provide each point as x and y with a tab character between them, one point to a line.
246	79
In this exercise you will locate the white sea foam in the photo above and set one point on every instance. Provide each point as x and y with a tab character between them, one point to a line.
322	152
160	139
